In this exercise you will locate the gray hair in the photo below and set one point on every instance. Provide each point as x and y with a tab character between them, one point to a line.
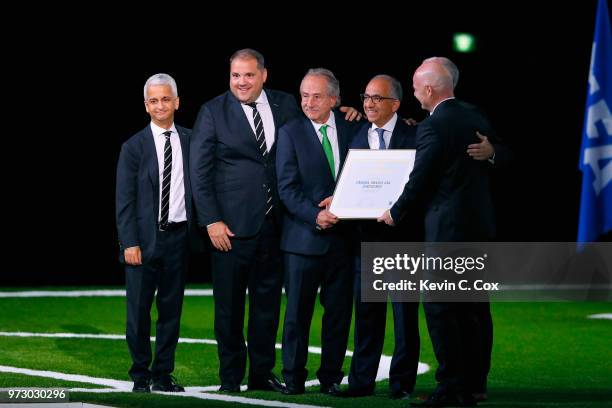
247	53
450	67
333	85
396	86
161	79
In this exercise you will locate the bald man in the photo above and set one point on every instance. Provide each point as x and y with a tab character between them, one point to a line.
454	192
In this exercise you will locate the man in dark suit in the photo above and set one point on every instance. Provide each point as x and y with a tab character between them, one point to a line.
233	154
310	154
233	178
453	189
385	130
154	221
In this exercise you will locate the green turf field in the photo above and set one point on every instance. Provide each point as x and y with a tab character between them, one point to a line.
545	354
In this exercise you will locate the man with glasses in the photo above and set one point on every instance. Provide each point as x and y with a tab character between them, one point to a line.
155	222
384	130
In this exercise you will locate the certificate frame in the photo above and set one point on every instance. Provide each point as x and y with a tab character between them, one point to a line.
370	182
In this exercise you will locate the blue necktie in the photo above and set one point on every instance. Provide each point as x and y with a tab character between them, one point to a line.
381	139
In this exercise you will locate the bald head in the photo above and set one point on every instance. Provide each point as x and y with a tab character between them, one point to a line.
434	81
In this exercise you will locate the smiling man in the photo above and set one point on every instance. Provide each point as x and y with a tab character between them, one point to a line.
385	130
154	218
232	170
310	154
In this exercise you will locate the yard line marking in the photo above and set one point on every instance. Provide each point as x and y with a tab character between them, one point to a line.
117	384
88	293
241	400
126	386
95	336
382	374
607	316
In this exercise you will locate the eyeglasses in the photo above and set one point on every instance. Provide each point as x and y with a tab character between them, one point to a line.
165	100
374	98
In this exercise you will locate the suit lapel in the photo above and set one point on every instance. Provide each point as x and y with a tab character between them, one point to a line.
242	127
396	136
153	166
315	146
361	139
185	153
342	132
151	153
275	108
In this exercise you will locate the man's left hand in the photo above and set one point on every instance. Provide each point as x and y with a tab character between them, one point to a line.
351	113
481	151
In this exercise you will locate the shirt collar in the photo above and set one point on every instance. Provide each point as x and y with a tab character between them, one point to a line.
389	126
262	99
157	130
331	122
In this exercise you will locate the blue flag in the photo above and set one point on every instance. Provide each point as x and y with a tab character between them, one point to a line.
596	150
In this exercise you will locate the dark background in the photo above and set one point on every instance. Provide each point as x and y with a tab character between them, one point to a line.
74	95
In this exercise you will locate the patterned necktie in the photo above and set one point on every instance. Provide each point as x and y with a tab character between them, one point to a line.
165	200
381	139
327	148
260	137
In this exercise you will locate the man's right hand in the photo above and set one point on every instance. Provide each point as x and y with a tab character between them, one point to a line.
133	255
326	219
219	234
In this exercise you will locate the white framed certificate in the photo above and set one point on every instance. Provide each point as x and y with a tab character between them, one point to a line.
371	181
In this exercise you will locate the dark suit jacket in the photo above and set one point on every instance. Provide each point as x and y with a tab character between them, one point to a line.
452	187
229	175
402	137
503	155
304	179
137	193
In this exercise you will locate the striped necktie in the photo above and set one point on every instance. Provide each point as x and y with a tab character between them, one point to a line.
260	138
167	175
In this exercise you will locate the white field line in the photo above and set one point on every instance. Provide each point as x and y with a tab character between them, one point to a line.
88	293
95	336
116	384
607	316
383	367
126	386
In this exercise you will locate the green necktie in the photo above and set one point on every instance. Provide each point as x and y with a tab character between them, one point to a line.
327	148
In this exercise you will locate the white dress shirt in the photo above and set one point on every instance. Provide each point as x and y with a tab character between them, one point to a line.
332	135
265	112
373	140
176	212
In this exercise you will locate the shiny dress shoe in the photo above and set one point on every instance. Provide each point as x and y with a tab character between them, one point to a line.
166	383
293	389
356	393
331	389
266	383
229	389
399	395
142	385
